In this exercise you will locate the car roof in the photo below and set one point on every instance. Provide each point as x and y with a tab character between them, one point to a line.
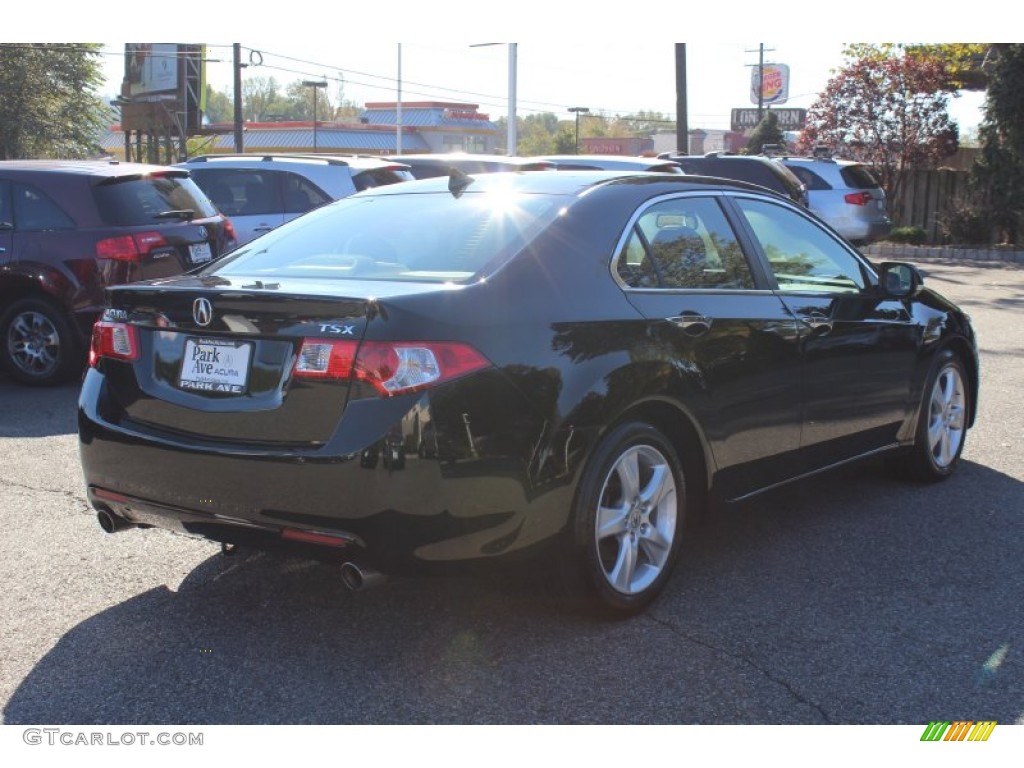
353	161
510	159
568	183
101	168
611	160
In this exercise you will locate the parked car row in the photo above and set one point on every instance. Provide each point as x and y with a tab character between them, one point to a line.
69	229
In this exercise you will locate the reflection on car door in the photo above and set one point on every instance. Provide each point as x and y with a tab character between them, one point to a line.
735	348
859	350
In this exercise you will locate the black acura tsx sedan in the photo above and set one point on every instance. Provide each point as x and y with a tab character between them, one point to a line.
485	368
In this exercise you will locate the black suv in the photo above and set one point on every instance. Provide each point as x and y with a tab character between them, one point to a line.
756	169
68	229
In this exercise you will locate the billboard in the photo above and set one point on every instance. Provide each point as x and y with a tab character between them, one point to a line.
773	86
790	119
150	68
163	88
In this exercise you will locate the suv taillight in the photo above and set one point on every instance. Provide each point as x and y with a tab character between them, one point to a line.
229	233
392	368
129	247
114	340
858	198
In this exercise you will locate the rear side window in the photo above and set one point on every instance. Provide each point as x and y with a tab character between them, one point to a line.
242	191
377	177
35	212
135	201
859	177
683	243
300	195
812	180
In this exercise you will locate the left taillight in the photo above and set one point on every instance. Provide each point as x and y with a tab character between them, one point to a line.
118	341
129	247
392	368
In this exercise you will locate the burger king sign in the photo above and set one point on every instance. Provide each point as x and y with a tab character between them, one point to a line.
773	85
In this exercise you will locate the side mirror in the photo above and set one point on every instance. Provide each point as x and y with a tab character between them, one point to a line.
898	279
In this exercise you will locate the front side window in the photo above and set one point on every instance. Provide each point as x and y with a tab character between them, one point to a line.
802	256
683	243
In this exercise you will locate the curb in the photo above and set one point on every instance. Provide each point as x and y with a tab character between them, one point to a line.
896	251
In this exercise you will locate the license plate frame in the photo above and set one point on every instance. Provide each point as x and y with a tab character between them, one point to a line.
200	253
215	365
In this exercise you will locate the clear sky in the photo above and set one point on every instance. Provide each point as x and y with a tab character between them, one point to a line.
610	57
614	77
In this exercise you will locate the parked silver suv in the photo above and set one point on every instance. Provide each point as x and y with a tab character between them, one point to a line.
259	192
845	194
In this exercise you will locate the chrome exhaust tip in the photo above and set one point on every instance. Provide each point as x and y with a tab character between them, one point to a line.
357	577
112	523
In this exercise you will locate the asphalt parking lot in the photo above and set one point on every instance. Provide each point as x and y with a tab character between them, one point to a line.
849	599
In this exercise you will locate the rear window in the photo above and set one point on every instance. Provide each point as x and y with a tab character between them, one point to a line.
150	200
398	237
859	177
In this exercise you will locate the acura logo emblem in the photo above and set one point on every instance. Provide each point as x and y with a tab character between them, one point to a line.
202	311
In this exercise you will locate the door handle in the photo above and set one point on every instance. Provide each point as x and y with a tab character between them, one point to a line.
817	322
692	321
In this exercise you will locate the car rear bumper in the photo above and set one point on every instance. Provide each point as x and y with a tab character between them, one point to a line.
387	499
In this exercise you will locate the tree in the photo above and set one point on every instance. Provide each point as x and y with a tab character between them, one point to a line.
889	112
49	105
766	132
997	178
220	107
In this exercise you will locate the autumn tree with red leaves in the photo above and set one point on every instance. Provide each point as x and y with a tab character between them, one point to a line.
889	112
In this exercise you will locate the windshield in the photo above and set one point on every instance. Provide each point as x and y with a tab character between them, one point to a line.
432	237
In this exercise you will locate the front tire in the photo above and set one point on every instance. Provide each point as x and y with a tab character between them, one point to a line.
942	423
628	519
37	345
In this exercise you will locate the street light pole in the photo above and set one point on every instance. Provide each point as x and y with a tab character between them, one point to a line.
578	110
315	85
513	53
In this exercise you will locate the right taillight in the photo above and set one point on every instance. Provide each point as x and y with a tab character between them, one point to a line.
392	368
118	341
858	198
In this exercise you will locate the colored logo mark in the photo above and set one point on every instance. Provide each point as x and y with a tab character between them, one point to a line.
958	730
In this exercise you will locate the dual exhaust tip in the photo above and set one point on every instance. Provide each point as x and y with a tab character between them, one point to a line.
354	575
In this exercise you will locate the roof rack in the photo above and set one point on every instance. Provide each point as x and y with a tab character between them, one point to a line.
328	159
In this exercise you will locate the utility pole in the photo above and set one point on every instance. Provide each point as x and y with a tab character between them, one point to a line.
760	79
682	121
237	48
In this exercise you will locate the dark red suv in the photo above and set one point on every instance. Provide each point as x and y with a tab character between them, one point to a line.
68	229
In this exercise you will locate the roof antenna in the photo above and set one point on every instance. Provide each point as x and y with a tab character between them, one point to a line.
458	181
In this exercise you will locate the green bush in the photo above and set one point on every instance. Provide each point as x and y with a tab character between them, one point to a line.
966	224
908	235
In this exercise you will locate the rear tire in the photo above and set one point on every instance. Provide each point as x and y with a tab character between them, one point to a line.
37	344
628	520
941	424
